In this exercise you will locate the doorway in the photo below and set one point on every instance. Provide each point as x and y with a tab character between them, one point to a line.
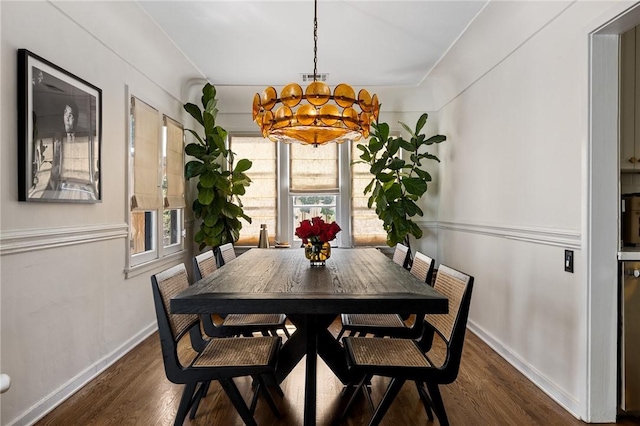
601	233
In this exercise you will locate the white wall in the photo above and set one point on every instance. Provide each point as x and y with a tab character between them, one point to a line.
67	308
512	179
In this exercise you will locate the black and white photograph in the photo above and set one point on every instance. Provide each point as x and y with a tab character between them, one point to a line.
59	133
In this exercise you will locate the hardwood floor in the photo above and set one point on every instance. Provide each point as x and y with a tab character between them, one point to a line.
135	391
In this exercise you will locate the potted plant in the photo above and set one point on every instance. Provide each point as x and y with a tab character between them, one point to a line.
398	183
221	180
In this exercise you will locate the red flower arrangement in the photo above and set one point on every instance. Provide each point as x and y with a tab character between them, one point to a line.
317	230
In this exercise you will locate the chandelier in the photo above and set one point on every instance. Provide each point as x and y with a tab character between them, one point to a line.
316	116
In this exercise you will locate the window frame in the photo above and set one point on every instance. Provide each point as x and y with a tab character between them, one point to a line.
158	250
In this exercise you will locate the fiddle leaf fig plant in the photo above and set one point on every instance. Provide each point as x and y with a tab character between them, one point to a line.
219	188
398	182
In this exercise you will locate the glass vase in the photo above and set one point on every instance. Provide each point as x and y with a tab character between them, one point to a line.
317	253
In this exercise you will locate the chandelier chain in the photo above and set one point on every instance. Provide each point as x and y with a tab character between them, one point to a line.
315	40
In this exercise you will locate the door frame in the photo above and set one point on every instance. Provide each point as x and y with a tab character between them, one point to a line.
601	221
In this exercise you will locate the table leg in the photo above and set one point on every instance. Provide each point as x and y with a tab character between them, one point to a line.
311	372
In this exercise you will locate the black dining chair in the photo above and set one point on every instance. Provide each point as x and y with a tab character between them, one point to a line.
204	265
217	359
227	253
401	255
389	324
417	360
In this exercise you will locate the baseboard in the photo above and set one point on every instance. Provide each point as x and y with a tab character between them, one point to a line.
58	396
552	390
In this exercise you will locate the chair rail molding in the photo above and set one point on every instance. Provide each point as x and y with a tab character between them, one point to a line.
567	238
23	240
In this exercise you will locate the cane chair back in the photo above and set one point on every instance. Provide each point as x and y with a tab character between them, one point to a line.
227	252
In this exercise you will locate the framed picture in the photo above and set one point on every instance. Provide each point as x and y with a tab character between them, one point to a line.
59	134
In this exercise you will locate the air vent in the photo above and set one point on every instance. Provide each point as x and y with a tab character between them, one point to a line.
319	77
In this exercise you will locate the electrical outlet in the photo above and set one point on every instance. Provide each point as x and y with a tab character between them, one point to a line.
568	261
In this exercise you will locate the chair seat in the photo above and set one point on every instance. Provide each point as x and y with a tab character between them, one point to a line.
372	320
237	320
365	351
249	351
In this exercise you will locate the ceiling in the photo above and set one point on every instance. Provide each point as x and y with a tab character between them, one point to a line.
362	43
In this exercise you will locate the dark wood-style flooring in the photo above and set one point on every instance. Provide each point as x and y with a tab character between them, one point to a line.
135	391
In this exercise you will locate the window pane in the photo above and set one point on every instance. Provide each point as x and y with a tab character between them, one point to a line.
310	206
314	168
260	200
171	227
142	230
366	226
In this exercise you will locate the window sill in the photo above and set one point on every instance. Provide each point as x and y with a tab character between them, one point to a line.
154	265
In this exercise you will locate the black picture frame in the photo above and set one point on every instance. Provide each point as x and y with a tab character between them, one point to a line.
59	134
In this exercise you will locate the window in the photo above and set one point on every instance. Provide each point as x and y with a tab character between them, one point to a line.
366	227
260	200
156	184
295	182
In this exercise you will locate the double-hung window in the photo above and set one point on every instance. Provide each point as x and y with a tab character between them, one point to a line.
156	184
314	184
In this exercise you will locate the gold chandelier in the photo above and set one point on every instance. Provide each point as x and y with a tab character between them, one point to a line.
315	116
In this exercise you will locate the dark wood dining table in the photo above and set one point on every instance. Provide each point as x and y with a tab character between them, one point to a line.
360	280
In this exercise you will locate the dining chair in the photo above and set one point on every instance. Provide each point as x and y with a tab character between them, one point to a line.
391	325
417	360
216	359
204	265
227	253
401	254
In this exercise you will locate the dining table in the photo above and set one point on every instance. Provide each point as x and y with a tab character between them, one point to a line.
352	280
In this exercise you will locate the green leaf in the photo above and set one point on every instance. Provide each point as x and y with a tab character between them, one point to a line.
406	145
238	189
411	208
435	139
375	145
421	122
193	168
205	196
230	210
377	167
208	93
195	150
385	177
209	124
394	191
366	156
383	131
414	186
396	209
368	187
396	164
407	128
425	176
394	146
414	229
243	165
361	147
197	136
429	156
208	179
194	111
211	107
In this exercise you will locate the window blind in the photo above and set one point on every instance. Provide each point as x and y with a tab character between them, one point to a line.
174	165
146	173
366	227
314	169
260	200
